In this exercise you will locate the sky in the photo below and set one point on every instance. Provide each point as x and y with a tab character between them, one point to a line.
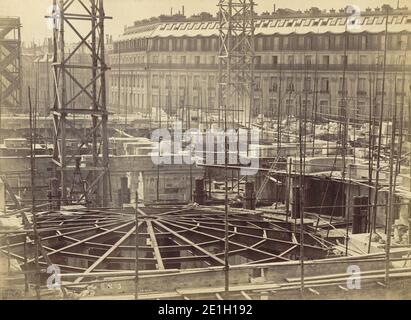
125	12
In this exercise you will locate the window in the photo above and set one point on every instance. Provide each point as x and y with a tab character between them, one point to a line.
181	100
256	109
306	104
307	60
344	60
197	60
195	101
257	83
197	82
342	86
212	60
360	109
155	81
290	59
273	107
169	60
308	43
168	81
211	82
363	42
183	81
307	84
337	42
363	59
326	60
323	42
290	84
325	85
275	60
379	86
324	107
259	44
276	43
183	60
155	101
273	84
400	86
300	42
362	86
289	103
168	101
211	99
286	43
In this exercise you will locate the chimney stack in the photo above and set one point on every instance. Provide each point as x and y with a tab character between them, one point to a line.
183	10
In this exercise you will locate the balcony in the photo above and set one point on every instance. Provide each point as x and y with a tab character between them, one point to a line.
361	93
274	67
332	67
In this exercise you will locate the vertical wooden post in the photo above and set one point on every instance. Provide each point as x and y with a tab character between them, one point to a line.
136	249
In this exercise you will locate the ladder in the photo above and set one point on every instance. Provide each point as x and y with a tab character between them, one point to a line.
11	192
267	177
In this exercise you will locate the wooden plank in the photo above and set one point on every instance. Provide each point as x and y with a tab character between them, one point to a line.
214	257
245	295
154	244
314	291
141	296
339	280
210	290
287	251
85	240
344	275
10	192
107	253
238	244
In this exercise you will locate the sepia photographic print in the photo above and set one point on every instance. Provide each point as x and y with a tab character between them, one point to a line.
205	150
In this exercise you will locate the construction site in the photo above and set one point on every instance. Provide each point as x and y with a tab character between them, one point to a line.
235	156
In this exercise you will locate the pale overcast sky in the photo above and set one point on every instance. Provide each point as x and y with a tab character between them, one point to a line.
125	12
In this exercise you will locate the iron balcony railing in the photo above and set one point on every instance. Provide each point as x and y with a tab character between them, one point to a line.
274	67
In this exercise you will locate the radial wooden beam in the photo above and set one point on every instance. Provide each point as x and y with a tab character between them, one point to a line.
86	239
108	252
238	244
154	244
197	247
